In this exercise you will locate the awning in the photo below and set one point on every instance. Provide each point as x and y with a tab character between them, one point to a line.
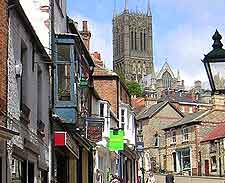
6	133
63	139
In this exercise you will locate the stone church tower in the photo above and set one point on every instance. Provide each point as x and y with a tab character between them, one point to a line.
132	44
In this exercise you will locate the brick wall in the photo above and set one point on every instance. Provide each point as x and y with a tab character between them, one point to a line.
3	53
107	89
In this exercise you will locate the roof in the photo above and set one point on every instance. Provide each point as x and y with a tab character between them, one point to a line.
217	133
187	119
15	4
148	112
176	97
101	71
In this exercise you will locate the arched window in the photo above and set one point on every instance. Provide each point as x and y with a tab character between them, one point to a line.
167	80
135	40
132	40
144	41
141	41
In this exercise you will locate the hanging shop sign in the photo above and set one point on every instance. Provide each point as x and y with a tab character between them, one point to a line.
83	82
63	139
94	128
140	146
116	141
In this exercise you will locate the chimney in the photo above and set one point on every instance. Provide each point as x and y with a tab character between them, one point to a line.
86	35
218	102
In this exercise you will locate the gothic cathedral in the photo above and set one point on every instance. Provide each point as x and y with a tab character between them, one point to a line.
132	44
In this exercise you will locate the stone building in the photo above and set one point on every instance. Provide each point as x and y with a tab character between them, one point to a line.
183	151
132	44
213	152
152	120
28	100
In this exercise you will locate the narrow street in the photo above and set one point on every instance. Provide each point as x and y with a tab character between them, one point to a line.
161	179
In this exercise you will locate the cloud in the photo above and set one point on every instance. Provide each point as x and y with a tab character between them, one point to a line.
101	39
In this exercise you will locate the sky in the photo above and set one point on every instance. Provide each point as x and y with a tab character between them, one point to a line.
182	30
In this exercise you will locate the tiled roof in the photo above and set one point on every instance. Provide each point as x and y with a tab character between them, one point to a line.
148	112
187	119
212	116
216	133
176	97
100	71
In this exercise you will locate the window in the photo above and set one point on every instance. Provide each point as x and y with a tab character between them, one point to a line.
182	108
141	41
101	110
174	136
132	40
144	41
167	80
212	147
190	109
213	164
63	71
135	40
185	134
156	140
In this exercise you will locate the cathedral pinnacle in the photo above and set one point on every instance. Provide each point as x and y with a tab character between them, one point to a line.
149	13
126	5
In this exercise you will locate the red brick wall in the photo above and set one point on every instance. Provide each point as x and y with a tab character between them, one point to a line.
124	96
3	53
107	89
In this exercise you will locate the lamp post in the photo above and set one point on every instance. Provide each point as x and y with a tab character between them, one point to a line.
214	63
140	149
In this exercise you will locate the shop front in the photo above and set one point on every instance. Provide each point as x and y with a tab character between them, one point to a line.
5	134
66	157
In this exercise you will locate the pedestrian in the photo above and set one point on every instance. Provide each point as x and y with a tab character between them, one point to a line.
150	178
169	178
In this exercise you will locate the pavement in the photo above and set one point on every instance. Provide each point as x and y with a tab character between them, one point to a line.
189	179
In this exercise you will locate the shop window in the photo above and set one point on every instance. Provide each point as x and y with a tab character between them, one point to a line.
186	159
185	134
19	169
213	164
174	137
156	140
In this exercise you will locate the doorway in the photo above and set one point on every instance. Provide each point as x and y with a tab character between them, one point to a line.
30	172
206	167
174	162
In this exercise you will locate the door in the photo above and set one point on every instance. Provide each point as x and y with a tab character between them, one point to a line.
30	172
174	162
206	167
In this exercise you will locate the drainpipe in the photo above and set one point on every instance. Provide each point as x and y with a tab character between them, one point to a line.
51	138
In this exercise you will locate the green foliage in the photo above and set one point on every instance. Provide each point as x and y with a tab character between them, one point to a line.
134	88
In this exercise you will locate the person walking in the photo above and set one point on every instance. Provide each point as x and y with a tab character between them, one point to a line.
169	178
150	178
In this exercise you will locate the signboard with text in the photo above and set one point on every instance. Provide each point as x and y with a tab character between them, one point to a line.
116	141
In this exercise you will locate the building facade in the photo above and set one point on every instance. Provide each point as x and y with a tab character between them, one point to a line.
132	44
28	100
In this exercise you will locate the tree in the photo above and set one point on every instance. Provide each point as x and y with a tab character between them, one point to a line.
134	88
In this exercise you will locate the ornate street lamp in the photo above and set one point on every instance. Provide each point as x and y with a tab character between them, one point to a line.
214	63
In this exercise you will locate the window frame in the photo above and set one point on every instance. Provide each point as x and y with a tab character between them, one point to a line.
173	137
185	134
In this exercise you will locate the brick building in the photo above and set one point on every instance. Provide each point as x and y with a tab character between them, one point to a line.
110	88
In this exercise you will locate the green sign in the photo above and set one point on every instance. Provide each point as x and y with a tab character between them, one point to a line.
83	82
116	140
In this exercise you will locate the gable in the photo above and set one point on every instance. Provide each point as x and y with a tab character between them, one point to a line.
167	113
165	68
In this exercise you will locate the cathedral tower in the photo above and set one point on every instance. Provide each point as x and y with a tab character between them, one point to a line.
132	43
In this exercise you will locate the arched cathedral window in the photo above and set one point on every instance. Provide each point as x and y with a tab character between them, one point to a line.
135	40
144	41
141	41
118	44
167	80
132	40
